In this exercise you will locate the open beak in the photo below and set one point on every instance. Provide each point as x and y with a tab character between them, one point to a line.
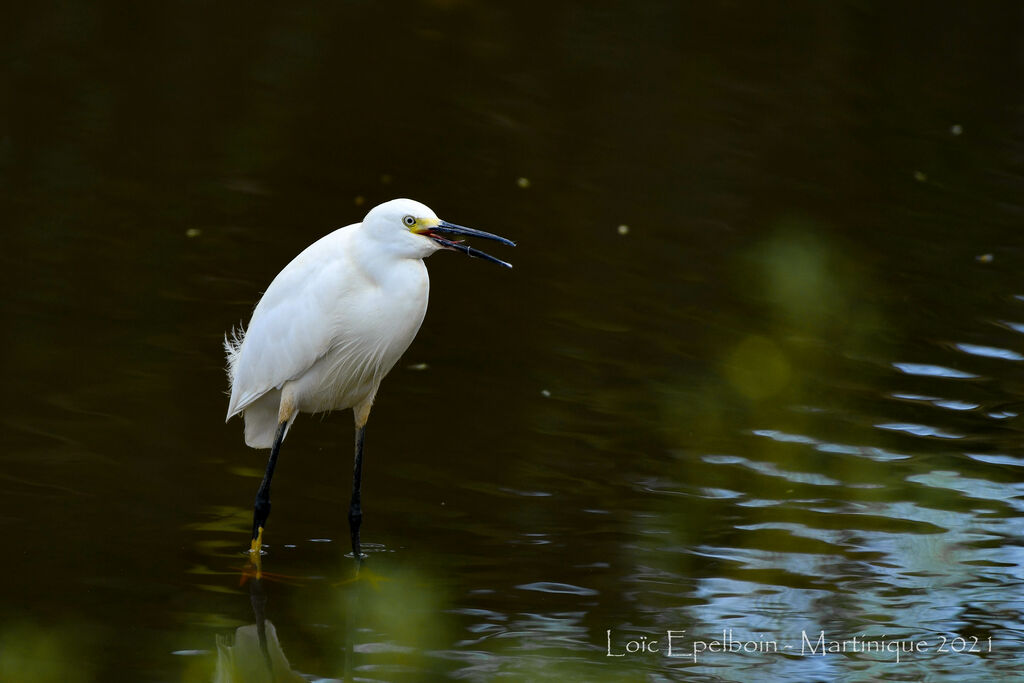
446	228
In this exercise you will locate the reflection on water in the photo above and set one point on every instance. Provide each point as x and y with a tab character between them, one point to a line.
254	655
785	400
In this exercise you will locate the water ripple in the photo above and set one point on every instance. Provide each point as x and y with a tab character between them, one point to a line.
925	370
1016	327
948	404
990	352
872	452
919	430
553	587
997	459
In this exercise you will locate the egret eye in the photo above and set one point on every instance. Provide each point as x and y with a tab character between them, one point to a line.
409	221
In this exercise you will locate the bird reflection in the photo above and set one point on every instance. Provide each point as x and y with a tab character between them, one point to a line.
254	657
255	654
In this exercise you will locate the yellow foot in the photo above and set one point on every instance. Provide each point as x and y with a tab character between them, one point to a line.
257	543
254	570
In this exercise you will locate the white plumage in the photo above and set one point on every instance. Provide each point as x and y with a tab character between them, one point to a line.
330	326
332	323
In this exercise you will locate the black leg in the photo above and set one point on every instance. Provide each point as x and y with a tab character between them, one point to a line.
355	508
261	508
258	598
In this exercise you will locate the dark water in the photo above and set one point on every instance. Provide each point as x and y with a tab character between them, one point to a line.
783	402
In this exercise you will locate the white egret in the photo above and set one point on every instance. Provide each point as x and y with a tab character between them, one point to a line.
330	326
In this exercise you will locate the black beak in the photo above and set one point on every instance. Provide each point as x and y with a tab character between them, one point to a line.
452	229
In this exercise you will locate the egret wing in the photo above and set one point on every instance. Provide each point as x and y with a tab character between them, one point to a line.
292	325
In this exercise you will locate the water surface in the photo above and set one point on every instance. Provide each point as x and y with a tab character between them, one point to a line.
755	377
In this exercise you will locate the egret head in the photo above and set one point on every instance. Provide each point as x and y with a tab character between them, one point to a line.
413	230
